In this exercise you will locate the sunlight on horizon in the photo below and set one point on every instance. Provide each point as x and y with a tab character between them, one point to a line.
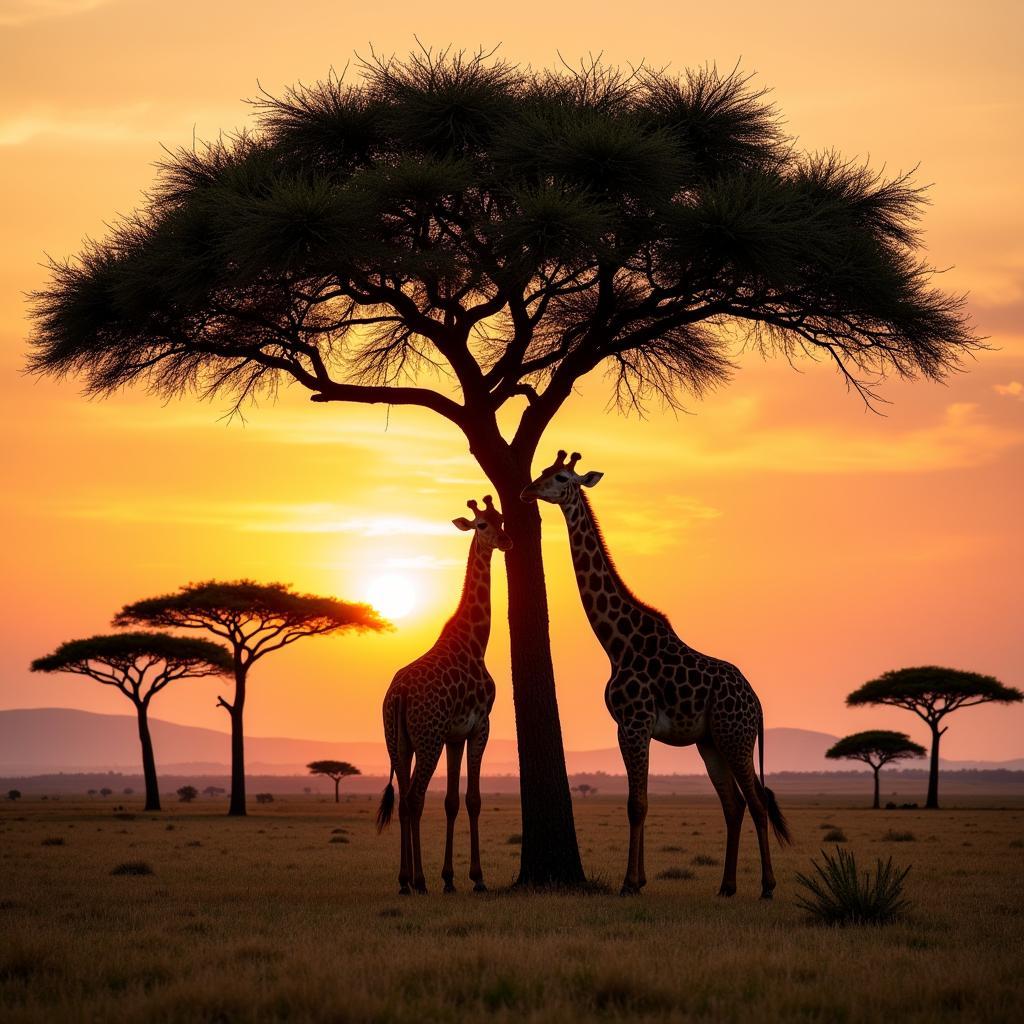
394	595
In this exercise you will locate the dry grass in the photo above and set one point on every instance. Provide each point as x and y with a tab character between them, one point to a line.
264	919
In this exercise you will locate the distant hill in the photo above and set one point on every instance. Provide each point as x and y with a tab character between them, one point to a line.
41	741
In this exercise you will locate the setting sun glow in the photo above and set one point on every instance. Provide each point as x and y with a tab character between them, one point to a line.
393	595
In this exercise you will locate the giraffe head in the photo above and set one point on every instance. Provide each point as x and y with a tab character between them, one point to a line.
486	523
560	481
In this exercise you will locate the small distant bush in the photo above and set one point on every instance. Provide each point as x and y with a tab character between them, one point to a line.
1017	844
908	807
264	798
676	874
186	794
106	791
671	849
890	806
834	835
53	841
337	839
703	860
892	836
14	794
837	894
133	867
127	791
516	839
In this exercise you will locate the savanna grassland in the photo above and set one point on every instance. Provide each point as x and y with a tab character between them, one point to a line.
293	915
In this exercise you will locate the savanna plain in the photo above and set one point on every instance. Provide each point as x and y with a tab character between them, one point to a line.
292	914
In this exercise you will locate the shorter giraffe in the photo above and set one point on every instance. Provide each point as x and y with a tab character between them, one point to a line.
662	689
443	700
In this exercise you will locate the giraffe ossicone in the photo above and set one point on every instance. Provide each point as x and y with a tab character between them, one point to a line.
664	690
442	701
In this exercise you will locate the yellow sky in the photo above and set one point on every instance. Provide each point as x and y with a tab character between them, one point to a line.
779	524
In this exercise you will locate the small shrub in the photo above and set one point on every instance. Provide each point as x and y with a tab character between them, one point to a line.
516	839
186	794
890	806
676	874
834	835
892	836
704	861
53	841
133	867
837	894
337	839
264	798
671	849
1017	844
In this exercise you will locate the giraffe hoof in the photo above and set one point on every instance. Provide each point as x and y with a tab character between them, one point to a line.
479	887
628	889
449	887
405	891
767	894
421	888
727	890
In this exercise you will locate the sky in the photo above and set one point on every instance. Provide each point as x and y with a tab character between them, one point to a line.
779	524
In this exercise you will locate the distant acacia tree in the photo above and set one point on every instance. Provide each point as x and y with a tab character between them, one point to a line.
127	791
511	230
106	791
932	693
186	794
336	770
584	789
877	748
264	798
214	791
255	619
14	794
140	665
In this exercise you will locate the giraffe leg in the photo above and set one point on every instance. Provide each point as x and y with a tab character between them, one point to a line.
732	807
634	742
426	763
451	811
404	818
477	744
747	780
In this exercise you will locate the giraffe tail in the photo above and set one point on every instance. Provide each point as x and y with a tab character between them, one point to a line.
387	804
776	818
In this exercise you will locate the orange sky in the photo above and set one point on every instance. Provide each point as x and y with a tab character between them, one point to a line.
780	525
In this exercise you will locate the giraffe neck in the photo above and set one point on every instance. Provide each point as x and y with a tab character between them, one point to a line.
613	609
471	624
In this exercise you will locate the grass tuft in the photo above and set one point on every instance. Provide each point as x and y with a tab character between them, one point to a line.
133	867
893	836
676	874
704	861
834	835
836	894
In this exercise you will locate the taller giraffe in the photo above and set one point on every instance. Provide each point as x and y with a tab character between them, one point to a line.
443	700
662	689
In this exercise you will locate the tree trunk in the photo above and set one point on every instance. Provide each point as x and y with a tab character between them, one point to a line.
876	805
148	761
550	854
337	783
933	771
237	806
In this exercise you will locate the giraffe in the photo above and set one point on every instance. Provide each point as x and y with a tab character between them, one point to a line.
443	700
662	689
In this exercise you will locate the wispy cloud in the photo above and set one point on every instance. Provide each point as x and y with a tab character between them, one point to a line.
1015	389
14	13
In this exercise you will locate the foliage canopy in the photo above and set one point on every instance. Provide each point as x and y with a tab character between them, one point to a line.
875	747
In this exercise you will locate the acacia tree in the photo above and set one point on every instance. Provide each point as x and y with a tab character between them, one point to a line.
255	619
336	770
932	693
503	233
876	747
140	665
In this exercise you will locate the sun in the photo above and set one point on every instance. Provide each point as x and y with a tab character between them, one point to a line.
392	594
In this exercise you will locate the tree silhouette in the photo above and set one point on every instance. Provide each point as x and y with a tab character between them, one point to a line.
876	747
584	789
186	794
214	791
511	231
14	794
932	693
255	619
336	770
140	665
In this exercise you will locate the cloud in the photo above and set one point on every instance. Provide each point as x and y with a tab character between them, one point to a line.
1015	389
15	13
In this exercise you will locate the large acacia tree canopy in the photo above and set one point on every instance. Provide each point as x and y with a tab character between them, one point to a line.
334	769
129	649
511	229
932	691
259	616
875	747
